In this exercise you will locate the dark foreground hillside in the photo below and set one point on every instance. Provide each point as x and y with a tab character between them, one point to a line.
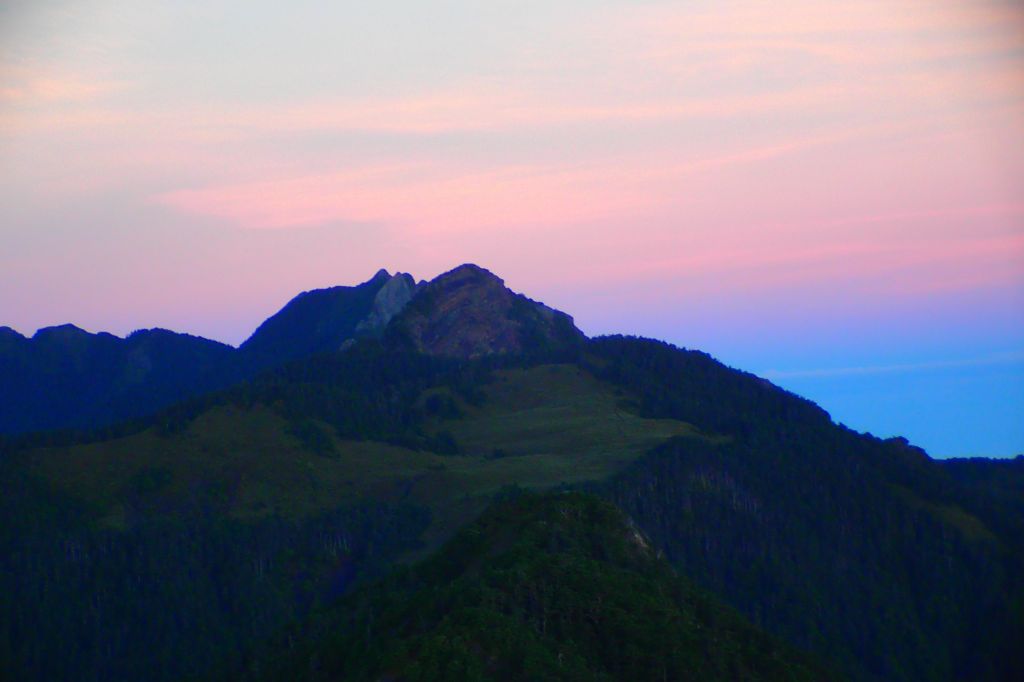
554	587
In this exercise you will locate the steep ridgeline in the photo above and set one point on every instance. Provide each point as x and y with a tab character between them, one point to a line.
468	313
555	587
324	320
66	378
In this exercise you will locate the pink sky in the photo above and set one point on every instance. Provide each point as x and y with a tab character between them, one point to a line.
710	172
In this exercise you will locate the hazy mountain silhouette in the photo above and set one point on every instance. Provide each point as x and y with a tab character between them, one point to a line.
65	377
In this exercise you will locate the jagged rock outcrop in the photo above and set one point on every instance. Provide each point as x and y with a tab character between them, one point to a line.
389	301
468	312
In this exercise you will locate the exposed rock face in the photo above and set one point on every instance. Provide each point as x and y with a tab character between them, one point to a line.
389	301
468	312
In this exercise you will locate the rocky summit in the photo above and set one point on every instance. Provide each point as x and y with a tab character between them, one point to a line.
468	312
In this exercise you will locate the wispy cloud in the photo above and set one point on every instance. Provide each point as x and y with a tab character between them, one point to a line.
1008	358
28	87
446	195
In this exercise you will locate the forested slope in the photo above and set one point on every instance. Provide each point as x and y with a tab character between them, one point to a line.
555	587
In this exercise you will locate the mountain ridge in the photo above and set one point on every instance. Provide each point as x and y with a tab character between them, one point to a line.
98	379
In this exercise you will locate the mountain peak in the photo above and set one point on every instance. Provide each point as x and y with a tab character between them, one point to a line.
469	312
61	330
470	272
66	334
381	274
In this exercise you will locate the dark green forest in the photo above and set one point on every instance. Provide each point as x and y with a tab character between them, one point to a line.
173	597
559	587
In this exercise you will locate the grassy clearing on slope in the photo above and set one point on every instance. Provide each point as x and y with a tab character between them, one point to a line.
549	425
244	462
971	527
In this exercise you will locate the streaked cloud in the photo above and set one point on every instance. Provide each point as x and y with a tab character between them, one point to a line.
1009	358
